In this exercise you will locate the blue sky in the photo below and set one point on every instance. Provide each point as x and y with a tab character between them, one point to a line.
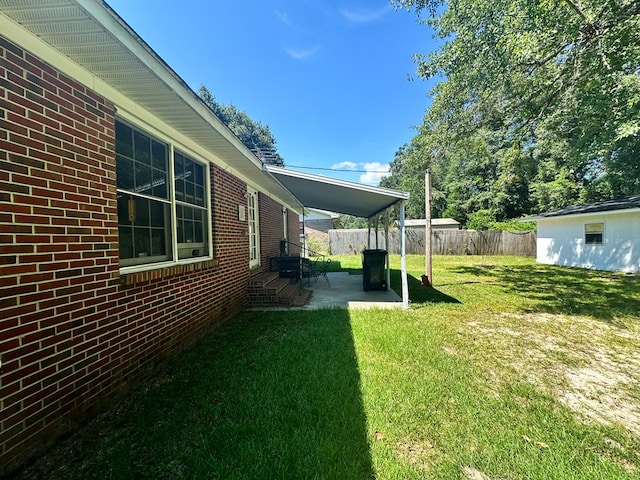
329	77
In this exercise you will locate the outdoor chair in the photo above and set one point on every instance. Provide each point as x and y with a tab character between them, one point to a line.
314	268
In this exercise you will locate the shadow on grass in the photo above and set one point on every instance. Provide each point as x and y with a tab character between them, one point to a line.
418	293
268	395
564	290
336	266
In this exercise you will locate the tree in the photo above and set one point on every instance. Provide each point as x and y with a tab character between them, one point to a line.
254	135
349	221
539	102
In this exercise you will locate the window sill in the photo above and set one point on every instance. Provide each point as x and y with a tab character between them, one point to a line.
160	272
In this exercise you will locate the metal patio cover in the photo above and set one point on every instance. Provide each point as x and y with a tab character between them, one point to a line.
335	195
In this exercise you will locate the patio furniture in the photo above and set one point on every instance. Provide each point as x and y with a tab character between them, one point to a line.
288	266
314	268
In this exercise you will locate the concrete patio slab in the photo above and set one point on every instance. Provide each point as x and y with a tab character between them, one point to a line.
343	290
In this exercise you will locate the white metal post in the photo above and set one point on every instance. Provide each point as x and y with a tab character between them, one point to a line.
403	260
377	226
387	221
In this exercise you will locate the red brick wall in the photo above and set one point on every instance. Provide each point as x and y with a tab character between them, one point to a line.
58	250
73	332
294	232
271	230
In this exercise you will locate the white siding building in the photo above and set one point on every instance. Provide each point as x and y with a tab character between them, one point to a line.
602	236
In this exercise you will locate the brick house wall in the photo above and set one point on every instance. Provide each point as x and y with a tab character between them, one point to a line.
75	333
271	230
294	232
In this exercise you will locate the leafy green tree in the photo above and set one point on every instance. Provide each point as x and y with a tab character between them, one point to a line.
349	221
481	220
254	135
538	106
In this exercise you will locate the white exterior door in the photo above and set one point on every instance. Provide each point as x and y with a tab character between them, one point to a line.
253	228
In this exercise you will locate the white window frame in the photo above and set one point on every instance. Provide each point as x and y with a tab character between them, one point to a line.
172	232
253	227
591	229
206	242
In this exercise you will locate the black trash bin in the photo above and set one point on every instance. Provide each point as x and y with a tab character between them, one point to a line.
374	275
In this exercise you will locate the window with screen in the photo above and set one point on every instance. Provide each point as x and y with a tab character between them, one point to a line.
593	233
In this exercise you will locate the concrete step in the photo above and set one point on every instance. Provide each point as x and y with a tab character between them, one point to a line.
269	289
263	279
276	286
301	299
287	294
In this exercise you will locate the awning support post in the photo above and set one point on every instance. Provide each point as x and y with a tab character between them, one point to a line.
377	226
387	221
403	260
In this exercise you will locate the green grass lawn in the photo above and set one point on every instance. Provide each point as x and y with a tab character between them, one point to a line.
506	369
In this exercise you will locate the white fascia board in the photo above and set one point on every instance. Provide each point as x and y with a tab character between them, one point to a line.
117	27
132	111
128	109
338	182
538	218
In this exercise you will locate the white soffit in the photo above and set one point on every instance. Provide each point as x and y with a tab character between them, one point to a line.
334	195
93	36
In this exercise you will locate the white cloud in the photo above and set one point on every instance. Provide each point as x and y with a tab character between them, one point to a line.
375	172
284	18
344	166
299	53
362	15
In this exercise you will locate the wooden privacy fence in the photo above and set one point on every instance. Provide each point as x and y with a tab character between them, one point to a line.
443	242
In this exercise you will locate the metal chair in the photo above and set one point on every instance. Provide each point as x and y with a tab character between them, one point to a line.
315	268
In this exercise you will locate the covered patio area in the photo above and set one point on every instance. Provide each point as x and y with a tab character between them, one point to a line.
373	203
343	290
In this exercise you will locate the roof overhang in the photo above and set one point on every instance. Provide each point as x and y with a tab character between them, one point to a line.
579	215
334	195
605	207
88	41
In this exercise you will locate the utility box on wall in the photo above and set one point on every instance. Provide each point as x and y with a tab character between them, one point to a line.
374	270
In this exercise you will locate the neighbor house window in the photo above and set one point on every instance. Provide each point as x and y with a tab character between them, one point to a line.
593	233
156	223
